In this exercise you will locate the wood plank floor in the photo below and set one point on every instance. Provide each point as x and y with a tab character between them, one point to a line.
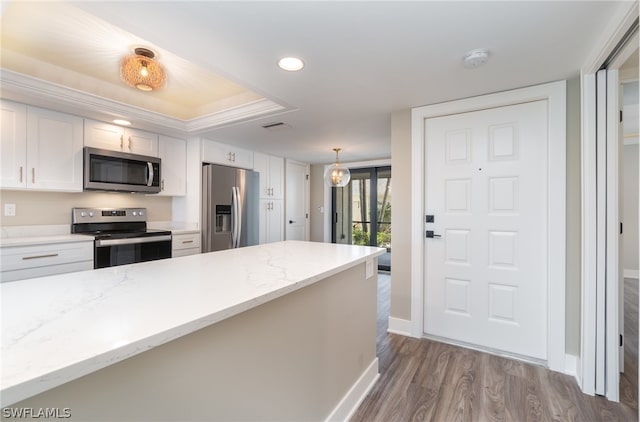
629	379
423	380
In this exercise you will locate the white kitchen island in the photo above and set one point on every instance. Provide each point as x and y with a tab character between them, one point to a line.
282	331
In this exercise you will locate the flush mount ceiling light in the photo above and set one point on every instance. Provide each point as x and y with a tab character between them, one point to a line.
337	175
291	64
141	71
475	58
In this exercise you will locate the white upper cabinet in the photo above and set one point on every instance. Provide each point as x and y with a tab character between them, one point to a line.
116	138
173	153
41	149
217	153
271	171
13	135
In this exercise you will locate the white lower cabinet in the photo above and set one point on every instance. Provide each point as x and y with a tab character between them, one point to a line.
21	262
185	244
271	220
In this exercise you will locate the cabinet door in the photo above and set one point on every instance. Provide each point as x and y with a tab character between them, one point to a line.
276	221
261	165
276	177
173	153
54	150
264	221
140	142
214	152
103	135
13	150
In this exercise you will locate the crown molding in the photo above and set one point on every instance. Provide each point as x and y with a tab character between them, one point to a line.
20	87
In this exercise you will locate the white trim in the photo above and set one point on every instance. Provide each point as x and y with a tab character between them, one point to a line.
631	274
327	191
571	365
356	394
588	247
624	17
399	326
555	94
81	103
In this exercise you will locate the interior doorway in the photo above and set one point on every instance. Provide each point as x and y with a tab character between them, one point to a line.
362	211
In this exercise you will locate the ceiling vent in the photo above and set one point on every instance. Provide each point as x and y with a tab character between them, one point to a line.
276	126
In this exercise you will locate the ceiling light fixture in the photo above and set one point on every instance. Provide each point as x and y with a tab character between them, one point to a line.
122	122
337	175
475	58
291	64
141	71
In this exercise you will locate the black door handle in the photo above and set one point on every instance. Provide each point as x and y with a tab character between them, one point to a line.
431	235
291	221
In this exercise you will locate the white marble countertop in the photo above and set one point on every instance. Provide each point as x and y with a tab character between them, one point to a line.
39	234
42	240
59	328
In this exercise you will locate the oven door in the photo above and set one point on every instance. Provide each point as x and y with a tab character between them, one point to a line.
112	252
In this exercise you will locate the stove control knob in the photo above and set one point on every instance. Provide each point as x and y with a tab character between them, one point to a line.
83	214
135	213
141	213
90	213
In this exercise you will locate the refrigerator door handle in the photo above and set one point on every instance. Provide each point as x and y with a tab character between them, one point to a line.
239	215
234	217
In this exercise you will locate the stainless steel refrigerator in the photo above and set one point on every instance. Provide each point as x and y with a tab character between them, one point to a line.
230	207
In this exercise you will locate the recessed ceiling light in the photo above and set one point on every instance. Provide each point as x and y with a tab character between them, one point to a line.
292	64
122	122
475	58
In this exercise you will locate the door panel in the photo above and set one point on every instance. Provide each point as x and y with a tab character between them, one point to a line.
296	193
486	186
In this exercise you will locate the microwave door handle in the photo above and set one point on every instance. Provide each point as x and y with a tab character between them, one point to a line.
150	173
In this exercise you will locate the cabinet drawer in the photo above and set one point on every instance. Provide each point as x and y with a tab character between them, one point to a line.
185	252
23	257
45	271
185	241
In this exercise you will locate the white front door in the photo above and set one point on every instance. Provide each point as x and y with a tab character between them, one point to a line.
486	188
296	201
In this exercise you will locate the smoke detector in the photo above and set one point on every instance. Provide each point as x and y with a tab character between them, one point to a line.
475	58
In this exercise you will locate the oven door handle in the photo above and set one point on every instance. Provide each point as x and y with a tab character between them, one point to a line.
132	241
150	177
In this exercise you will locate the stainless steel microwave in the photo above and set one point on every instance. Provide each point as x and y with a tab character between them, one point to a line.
120	171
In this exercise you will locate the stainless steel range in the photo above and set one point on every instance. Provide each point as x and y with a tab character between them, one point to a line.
120	235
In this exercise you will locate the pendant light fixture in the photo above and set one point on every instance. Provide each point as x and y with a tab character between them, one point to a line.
141	71
337	175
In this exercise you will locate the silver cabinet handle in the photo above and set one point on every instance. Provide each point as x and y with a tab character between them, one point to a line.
51	255
33	175
129	142
121	141
187	241
162	184
20	174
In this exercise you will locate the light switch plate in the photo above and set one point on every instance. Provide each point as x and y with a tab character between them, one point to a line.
9	210
368	268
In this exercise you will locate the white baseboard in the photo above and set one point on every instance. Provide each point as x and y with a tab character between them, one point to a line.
358	391
631	273
399	326
571	365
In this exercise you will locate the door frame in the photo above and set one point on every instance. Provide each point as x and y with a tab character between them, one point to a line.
555	95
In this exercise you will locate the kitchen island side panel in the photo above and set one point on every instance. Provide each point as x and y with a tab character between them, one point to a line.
293	358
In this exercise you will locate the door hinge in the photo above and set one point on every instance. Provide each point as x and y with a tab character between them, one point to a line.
306	215
307	176
621	340
621	227
621	115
